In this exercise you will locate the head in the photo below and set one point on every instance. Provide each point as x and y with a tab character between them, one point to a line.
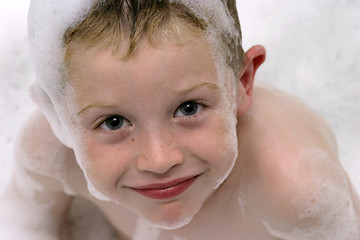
153	91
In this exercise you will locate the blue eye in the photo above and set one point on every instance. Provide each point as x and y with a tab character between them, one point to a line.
114	122
188	109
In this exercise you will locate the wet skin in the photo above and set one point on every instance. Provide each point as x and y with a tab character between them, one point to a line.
168	124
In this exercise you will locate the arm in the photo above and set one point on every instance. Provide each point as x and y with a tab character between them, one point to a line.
34	205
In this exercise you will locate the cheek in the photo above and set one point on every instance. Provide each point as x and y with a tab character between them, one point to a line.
216	142
103	164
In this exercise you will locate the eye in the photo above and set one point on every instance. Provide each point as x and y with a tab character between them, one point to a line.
188	109
114	122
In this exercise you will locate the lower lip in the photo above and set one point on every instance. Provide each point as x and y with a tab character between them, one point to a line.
167	193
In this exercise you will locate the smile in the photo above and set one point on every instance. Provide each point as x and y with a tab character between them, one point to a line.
167	190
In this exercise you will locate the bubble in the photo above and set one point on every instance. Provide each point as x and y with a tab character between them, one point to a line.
94	191
242	202
327	201
47	22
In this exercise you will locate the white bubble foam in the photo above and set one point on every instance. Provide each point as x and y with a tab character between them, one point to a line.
242	202
220	22
220	26
327	200
47	22
94	191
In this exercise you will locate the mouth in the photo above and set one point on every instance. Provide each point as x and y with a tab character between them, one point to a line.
161	191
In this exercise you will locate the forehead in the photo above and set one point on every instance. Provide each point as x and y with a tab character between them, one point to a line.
157	74
168	58
153	78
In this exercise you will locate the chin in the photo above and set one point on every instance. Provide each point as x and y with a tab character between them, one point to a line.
172	216
172	224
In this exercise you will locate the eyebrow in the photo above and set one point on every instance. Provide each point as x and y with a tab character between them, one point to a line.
93	105
184	91
201	85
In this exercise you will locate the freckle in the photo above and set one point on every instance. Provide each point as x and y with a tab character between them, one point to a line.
133	140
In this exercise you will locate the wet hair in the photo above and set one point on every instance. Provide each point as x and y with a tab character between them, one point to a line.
119	23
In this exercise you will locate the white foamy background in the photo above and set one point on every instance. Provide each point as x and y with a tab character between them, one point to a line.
313	51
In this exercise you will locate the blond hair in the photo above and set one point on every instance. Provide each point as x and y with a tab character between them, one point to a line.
119	23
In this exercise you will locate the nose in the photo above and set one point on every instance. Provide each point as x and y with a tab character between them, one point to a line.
159	155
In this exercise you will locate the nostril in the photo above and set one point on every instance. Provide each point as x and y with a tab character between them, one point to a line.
160	161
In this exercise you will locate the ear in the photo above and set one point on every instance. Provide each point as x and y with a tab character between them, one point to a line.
255	56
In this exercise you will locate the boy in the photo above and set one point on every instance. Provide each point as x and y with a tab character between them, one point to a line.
149	111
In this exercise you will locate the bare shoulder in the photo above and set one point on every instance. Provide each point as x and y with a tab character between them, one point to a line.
40	153
294	165
293	119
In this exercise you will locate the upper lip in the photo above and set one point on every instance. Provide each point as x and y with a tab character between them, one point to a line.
165	185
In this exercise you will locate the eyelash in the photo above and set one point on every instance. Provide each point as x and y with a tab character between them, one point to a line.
198	103
113	117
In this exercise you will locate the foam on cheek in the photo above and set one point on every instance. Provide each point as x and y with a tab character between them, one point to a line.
228	113
94	191
327	200
80	153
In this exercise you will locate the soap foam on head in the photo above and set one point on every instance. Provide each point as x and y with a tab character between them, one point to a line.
47	22
220	25
49	19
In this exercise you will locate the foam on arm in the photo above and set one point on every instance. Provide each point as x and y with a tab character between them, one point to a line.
325	206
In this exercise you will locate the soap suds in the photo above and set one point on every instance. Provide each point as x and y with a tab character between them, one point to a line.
327	201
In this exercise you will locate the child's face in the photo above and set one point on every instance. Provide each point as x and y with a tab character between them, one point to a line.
155	133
